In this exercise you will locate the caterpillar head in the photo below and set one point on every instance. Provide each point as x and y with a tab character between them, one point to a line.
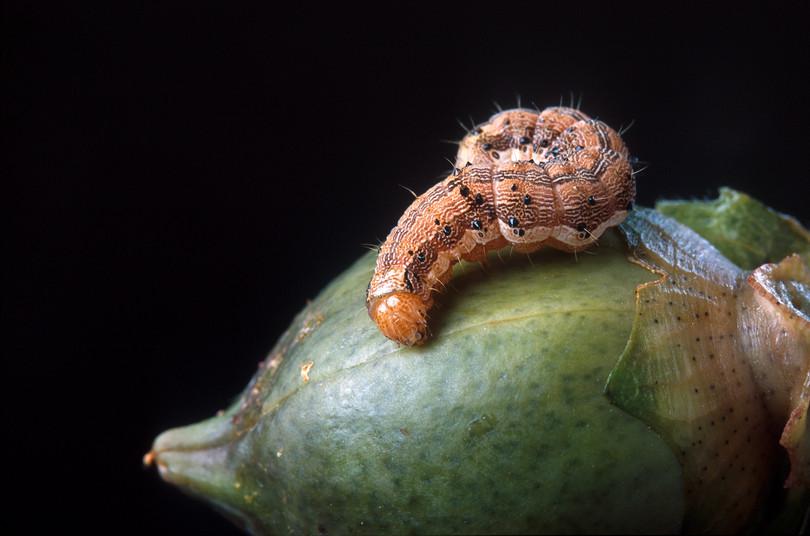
401	316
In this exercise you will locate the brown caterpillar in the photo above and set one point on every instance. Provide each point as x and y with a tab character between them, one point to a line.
556	178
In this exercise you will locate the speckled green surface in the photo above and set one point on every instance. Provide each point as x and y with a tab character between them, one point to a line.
499	424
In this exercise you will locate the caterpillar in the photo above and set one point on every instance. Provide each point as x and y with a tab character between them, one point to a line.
555	178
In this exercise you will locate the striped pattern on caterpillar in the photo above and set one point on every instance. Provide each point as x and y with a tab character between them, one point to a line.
556	178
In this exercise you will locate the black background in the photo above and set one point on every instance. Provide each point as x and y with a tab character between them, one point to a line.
182	179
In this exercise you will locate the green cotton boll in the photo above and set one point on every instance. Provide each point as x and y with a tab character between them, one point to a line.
504	421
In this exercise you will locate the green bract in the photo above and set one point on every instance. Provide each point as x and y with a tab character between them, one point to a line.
744	230
501	422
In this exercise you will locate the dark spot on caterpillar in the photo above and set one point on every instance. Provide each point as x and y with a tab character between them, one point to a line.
521	232
591	200
420	256
514	188
543	143
507	122
479	199
476	224
447	230
555	150
464	191
630	205
581	227
527	199
486	146
581	236
408	283
524	140
468	164
513	222
477	130
410	252
495	155
514	231
437	222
